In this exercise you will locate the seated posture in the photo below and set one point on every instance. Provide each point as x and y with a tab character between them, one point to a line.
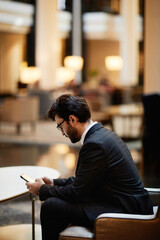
106	179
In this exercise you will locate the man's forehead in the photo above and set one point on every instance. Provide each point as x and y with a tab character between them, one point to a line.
58	119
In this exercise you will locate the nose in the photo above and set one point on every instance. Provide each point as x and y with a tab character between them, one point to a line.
63	133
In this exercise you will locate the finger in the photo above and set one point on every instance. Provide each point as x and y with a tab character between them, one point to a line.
44	178
37	179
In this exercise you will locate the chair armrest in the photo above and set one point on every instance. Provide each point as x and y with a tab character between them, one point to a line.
153	190
129	216
110	226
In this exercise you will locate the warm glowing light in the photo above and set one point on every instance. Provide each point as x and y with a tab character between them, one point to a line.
73	62
23	65
70	160
29	74
113	63
61	148
64	75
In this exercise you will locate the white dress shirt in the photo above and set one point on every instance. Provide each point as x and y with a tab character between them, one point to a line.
87	129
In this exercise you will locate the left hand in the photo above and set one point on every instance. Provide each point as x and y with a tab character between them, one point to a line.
35	186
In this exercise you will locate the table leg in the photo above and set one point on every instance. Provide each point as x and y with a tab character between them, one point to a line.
33	198
18	128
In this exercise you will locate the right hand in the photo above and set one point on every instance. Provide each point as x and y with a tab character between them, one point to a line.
34	187
48	181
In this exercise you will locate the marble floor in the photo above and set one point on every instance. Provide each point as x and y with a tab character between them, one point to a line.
20	232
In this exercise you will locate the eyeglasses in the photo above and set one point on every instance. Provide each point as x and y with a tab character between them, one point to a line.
59	126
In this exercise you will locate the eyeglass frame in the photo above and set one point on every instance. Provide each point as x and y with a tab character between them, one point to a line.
59	125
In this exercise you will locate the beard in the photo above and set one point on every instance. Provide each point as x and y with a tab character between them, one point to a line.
73	134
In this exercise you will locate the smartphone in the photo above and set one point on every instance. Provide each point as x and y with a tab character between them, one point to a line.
27	178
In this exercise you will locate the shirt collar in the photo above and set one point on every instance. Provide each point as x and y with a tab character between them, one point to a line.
85	132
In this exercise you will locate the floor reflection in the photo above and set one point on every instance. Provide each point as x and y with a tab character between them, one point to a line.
62	158
59	156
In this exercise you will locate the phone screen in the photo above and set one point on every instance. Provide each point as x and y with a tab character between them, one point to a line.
27	178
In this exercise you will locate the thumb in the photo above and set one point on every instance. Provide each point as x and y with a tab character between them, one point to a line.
39	180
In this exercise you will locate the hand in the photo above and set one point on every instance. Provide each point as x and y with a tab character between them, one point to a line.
35	186
48	181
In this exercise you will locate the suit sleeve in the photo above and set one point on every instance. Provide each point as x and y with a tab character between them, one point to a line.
63	181
91	165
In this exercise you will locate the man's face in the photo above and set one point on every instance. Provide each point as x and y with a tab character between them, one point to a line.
68	129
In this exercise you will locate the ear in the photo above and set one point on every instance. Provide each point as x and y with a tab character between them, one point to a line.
73	120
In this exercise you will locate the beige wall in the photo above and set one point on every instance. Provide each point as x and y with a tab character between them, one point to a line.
96	51
152	47
11	55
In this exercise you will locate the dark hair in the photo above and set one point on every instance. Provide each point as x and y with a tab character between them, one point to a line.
67	105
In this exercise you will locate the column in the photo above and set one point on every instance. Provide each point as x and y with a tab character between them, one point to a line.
152	47
77	34
11	56
129	43
47	45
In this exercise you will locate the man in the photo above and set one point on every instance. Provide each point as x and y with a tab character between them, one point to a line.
106	179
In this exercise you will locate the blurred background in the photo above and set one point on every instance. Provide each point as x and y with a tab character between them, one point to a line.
104	50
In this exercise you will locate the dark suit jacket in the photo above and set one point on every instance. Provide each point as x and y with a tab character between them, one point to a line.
106	178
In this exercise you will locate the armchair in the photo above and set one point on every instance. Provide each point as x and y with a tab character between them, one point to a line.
20	110
112	226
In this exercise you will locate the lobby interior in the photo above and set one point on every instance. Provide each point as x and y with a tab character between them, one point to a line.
123	97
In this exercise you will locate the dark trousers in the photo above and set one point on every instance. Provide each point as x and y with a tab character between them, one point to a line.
57	214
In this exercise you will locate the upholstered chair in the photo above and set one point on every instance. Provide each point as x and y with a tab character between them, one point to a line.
113	226
20	110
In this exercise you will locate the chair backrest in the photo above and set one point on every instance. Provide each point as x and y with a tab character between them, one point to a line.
155	196
20	109
151	103
127	127
127	121
158	212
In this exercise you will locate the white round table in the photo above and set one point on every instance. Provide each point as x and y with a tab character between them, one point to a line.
12	185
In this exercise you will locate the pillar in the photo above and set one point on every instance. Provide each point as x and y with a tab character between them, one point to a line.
77	34
129	43
47	45
152	46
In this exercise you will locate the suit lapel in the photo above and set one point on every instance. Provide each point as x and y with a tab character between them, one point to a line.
92	130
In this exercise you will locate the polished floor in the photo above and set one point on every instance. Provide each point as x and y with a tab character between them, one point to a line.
43	147
47	147
20	232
